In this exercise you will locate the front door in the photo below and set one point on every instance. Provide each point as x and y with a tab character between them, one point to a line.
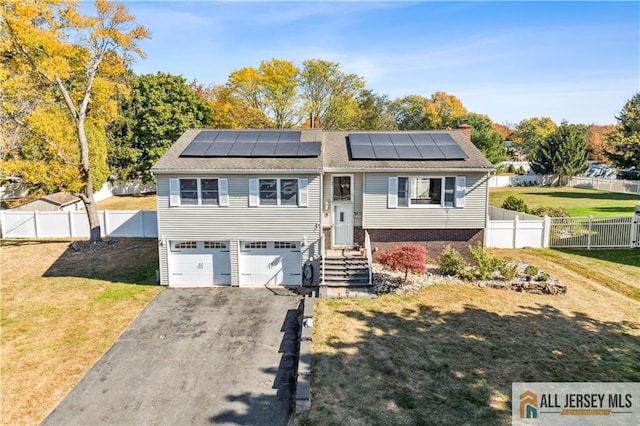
343	225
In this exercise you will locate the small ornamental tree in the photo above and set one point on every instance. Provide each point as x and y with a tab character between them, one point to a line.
405	258
516	204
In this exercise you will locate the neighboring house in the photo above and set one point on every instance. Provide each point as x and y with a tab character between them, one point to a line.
60	201
250	208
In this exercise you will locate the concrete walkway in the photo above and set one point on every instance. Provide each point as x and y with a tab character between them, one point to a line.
195	356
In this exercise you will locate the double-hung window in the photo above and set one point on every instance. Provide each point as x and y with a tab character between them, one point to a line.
198	192
426	191
278	192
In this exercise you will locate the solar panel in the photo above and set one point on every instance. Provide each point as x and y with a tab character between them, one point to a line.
452	152
380	139
362	152
248	136
421	139
206	136
385	152
400	139
264	149
359	139
227	136
287	149
289	137
218	149
404	146
196	149
250	143
443	139
408	151
430	152
309	149
241	150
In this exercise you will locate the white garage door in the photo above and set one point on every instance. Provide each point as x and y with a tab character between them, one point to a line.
199	263
270	263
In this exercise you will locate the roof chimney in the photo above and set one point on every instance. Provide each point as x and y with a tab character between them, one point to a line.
466	128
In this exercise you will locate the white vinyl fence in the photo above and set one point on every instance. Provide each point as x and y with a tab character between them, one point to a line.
611	185
506	229
72	224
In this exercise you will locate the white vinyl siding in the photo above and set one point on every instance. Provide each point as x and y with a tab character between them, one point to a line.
237	222
469	211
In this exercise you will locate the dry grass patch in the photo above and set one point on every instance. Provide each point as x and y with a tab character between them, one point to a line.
129	202
61	310
450	353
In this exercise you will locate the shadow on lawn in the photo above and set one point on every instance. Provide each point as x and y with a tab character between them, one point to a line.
125	260
422	366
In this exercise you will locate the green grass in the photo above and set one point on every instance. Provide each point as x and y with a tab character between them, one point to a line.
450	353
577	201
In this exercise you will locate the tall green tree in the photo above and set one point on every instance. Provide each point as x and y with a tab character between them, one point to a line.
486	137
409	112
624	141
532	132
373	112
66	65
160	108
329	94
439	112
562	153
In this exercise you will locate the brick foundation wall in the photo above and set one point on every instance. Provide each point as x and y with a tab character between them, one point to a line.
434	240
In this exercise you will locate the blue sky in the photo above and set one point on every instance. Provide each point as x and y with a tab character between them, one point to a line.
578	61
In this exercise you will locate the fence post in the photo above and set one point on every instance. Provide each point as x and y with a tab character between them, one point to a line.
515	232
36	221
70	223
546	231
589	234
106	223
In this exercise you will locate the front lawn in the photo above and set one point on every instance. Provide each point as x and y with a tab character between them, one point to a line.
577	201
61	310
449	354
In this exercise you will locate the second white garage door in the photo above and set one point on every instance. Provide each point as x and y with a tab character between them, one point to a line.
270	263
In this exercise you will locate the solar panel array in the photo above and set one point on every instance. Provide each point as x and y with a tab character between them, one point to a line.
404	146
250	143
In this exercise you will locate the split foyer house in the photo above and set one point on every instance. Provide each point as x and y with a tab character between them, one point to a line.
253	207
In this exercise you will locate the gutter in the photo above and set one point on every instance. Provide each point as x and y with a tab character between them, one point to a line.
192	171
409	169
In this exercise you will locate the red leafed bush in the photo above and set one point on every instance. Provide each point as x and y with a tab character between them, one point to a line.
405	258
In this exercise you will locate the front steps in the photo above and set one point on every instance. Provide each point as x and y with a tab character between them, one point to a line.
346	277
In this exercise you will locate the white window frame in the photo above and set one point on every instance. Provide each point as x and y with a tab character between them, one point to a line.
254	192
175	194
459	191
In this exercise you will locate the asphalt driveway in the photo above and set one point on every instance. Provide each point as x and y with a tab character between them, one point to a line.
195	356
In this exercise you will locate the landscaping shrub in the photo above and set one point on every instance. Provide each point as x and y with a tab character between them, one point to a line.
522	171
452	263
550	211
511	169
507	268
531	271
543	277
485	264
410	257
516	204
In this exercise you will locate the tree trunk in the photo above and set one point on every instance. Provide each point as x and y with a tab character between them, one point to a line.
87	195
92	213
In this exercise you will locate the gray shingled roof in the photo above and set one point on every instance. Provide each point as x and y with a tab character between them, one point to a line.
61	198
334	156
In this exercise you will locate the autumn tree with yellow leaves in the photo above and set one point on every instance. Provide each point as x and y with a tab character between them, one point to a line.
59	80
